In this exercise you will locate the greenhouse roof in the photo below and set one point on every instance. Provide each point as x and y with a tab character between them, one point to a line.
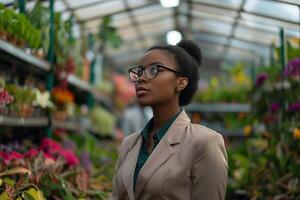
226	30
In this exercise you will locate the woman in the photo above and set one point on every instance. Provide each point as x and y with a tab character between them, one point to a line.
170	158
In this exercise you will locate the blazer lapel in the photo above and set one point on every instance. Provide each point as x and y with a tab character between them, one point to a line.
162	152
129	166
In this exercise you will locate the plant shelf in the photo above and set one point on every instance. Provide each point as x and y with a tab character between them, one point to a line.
23	122
218	107
9	49
85	86
71	125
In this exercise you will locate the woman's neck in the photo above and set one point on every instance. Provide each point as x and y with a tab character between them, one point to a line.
162	113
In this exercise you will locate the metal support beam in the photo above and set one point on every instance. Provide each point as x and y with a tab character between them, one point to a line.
234	26
135	25
50	57
119	12
283	54
22	6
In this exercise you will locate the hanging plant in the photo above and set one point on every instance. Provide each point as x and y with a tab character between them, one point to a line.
108	34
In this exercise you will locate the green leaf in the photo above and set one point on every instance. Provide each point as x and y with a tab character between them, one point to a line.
4	196
9	181
1	181
295	169
29	195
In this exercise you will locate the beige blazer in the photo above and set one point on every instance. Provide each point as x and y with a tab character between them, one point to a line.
189	163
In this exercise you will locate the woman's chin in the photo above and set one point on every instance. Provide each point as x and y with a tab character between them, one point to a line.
144	102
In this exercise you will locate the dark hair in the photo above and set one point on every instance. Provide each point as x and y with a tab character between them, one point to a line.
187	56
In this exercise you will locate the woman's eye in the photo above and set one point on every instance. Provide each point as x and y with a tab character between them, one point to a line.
152	70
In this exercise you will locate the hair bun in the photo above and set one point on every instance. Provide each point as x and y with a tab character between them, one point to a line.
192	49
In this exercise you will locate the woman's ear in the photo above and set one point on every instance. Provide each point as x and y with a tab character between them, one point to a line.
182	82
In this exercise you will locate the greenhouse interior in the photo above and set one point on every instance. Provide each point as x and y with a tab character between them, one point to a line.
67	102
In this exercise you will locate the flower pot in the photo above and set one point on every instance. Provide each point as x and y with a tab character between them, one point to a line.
21	44
12	39
3	35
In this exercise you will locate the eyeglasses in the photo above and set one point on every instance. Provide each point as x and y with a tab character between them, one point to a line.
150	72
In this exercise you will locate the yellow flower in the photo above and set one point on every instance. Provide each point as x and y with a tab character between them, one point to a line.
247	130
296	133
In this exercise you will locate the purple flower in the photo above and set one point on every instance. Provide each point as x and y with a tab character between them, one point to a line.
293	68
294	106
261	79
68	144
86	162
274	107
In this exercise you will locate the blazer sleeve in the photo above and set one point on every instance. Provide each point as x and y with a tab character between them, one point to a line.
209	172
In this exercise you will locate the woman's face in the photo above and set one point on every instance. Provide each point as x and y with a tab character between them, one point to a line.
160	90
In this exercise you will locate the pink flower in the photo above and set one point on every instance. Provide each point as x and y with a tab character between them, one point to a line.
294	106
69	156
7	157
274	107
48	156
31	153
50	146
261	79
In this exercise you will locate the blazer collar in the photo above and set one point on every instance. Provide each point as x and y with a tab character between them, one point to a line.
160	154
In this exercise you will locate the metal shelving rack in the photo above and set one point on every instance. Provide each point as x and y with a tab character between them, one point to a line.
218	107
7	49
23	122
221	108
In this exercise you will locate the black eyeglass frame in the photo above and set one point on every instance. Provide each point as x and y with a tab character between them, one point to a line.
143	69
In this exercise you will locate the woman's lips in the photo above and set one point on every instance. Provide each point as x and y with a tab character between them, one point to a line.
140	91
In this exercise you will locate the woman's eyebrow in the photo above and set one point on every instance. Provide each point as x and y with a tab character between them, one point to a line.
153	63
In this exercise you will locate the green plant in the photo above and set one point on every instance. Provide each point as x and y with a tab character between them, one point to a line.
19	187
108	34
268	166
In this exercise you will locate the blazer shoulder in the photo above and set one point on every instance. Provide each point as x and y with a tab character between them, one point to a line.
202	134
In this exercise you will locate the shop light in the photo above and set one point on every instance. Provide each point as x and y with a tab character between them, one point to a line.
173	37
169	3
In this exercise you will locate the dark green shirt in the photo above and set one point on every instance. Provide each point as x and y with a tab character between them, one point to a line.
143	154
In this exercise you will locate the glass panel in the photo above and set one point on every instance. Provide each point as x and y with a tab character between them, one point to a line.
76	30
201	15
255	36
92	26
128	33
154	16
259	49
212	26
276	9
292	1
135	3
148	10
256	26
213	10
211	38
77	3
66	15
121	20
100	9
267	21
158	26
227	3
59	6
213	50
238	54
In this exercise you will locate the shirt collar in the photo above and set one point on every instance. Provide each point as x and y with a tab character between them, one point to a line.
161	132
